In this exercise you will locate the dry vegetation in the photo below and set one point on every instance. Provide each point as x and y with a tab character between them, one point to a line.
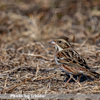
26	58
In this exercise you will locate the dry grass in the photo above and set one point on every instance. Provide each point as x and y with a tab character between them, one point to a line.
26	58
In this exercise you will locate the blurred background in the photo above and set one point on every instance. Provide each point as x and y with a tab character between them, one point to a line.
45	19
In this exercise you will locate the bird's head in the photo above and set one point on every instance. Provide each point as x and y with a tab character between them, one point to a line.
61	43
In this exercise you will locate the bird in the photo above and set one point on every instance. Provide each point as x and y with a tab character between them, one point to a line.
70	61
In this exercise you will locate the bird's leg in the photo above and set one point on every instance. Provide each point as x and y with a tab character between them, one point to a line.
68	80
79	78
71	76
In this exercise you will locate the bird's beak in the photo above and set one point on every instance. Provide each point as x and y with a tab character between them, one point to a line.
52	42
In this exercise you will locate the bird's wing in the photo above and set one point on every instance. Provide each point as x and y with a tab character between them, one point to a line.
67	56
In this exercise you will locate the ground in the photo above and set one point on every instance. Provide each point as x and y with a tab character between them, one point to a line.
27	59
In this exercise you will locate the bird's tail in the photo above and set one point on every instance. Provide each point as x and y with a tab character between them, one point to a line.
94	74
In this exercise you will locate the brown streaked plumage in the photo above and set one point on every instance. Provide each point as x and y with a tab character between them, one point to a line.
69	60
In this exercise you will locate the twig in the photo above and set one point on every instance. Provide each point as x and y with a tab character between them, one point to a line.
39	56
6	81
24	82
10	71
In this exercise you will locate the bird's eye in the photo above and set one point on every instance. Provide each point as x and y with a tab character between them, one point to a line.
59	41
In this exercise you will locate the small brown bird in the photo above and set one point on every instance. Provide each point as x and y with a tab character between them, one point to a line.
70	61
